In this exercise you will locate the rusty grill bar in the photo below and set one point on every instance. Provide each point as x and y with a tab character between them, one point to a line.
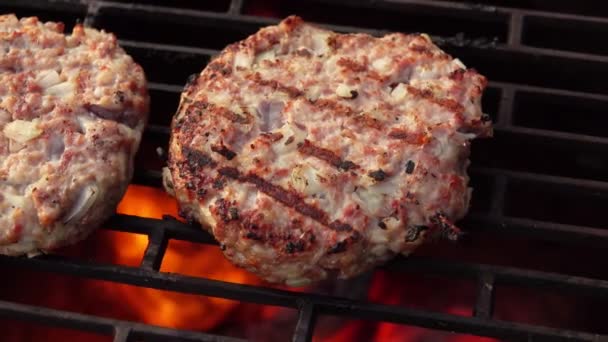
542	71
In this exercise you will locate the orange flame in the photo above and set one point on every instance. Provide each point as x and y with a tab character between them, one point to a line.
177	310
165	308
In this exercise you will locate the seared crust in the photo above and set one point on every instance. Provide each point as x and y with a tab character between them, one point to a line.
72	110
309	153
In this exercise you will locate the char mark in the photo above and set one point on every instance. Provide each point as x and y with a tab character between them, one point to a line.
275	85
340	227
415	138
287	198
200	107
333	106
409	167
191	81
226	212
338	247
254	236
197	160
217	66
351	65
445	227
224	151
294	247
271	137
413	232
448	104
307	148
378	175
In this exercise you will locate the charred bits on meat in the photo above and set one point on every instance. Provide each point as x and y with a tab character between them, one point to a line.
414	232
197	159
294	247
346	165
234	213
382	225
409	167
218	184
226	212
338	247
191	80
253	236
307	148
119	97
378	175
340	227
224	151
229	172
445	227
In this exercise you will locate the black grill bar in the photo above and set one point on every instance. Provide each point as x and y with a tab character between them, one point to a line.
485	296
157	245
172	228
327	304
306	322
104	326
122	334
236	6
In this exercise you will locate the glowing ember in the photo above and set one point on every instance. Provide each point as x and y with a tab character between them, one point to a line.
184	311
174	309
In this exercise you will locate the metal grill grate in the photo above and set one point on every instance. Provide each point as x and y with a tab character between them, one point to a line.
547	97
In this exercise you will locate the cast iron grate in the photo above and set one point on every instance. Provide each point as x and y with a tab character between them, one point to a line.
548	99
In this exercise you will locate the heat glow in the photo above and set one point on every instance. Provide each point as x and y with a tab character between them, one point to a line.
174	309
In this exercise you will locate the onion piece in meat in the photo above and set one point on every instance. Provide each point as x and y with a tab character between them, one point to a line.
22	131
270	115
85	200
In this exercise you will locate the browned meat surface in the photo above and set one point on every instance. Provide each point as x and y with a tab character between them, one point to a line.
310	154
72	110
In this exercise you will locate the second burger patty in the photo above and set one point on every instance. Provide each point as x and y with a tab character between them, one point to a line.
310	154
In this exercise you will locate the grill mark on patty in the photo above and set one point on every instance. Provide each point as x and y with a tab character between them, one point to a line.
426	94
422	49
197	160
351	65
219	66
226	211
287	198
271	137
210	108
368	121
416	138
309	149
224	151
274	84
333	106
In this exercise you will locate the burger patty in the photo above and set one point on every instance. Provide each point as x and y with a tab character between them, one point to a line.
72	110
309	153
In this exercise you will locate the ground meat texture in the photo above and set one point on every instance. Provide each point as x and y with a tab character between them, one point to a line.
368	155
72	110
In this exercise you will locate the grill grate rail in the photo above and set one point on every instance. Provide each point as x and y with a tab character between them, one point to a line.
573	162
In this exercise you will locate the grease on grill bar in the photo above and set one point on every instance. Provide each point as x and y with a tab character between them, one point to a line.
547	97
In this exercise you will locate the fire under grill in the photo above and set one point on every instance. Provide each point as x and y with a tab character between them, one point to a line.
543	177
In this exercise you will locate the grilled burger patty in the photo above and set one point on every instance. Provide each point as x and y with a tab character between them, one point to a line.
309	153
72	110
